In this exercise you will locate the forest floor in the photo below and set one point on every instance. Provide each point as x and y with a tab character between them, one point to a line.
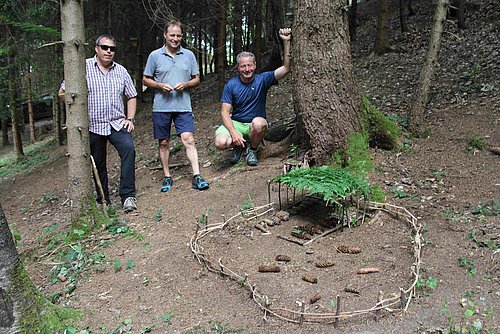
146	279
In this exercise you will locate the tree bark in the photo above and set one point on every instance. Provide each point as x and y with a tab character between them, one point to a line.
353	13
403	15
382	38
326	98
5	132
237	28
73	36
221	49
31	116
461	14
16	114
417	111
18	296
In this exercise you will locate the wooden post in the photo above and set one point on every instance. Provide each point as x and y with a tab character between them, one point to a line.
99	186
302	310
402	297
377	312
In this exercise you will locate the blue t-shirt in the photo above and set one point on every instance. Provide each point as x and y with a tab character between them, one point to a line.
167	69
248	100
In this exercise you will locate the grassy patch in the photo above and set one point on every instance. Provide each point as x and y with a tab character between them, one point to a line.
35	154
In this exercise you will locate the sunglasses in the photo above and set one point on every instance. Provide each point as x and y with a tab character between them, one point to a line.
106	47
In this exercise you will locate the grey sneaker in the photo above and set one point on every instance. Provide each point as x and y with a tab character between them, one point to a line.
130	204
252	157
236	155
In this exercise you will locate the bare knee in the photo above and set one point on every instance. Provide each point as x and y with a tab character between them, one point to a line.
163	144
222	142
259	125
187	139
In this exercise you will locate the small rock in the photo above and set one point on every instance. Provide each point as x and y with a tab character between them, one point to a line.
283	215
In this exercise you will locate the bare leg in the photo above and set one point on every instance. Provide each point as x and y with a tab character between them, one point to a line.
164	155
223	142
258	130
191	152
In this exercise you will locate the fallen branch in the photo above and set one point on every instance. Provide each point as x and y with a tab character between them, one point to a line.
282	237
324	234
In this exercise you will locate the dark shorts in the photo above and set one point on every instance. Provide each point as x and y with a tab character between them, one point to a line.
162	121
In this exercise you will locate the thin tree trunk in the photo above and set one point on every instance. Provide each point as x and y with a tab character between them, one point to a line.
31	116
461	14
325	94
257	39
5	132
353	13
403	15
16	114
221	47
73	36
417	111
237	28
382	38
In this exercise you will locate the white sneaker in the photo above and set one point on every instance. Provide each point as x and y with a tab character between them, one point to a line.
130	204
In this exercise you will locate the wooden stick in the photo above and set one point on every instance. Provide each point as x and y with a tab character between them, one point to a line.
290	240
337	312
261	228
324	234
302	311
99	187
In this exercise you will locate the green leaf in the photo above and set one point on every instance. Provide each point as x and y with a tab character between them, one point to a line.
166	318
469	313
130	264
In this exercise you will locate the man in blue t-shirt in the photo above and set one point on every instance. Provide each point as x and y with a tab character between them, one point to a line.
243	108
172	71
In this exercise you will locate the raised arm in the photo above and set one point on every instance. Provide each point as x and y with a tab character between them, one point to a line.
286	36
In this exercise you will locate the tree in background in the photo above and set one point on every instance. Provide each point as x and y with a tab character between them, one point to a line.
382	44
73	35
325	94
417	112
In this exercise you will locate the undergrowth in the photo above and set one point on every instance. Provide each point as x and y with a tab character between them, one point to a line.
35	154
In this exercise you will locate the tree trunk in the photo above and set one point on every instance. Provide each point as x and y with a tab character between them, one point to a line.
403	15
31	116
257	38
20	302
382	38
461	14
221	47
5	132
73	36
237	28
353	13
56	117
417	111
325	95
16	114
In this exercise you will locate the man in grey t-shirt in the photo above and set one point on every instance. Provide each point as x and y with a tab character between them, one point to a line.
172	71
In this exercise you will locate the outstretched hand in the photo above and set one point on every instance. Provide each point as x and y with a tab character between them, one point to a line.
285	34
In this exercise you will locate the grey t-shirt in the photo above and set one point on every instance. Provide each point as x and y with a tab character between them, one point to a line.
167	69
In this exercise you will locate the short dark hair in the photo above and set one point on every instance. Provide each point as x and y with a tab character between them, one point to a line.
173	23
106	36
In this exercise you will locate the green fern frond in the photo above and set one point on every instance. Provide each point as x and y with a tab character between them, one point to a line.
329	182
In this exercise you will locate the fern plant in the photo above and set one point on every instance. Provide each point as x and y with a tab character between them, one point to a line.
329	182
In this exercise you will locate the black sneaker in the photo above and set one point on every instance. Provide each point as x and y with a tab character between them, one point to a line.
199	182
166	184
236	155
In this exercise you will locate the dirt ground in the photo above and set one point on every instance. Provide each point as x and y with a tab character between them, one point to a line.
162	288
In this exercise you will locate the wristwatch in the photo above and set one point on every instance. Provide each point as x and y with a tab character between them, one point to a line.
131	119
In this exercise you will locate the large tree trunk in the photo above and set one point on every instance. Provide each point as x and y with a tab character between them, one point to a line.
417	111
326	98
382	38
19	300
461	14
73	36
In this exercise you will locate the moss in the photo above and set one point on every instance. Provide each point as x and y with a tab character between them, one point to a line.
37	315
356	158
381	130
377	194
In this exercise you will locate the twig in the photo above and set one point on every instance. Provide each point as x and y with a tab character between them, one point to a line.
290	240
99	187
324	234
261	228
